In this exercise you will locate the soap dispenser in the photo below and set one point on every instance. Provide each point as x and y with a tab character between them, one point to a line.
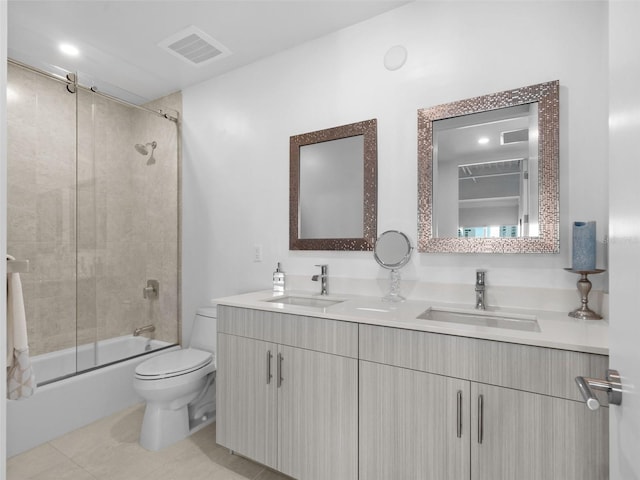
278	280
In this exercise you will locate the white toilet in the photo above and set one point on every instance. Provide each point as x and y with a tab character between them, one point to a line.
179	386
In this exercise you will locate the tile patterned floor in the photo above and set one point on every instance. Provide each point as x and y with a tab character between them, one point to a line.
109	449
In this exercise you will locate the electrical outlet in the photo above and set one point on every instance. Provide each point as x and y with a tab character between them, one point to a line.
257	253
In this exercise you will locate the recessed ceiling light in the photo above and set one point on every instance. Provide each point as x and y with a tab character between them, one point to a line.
69	49
483	140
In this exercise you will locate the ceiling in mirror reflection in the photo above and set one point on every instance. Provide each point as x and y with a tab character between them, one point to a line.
459	137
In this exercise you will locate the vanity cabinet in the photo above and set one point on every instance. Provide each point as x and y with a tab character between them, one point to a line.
413	425
528	436
519	417
246	415
287	392
317	399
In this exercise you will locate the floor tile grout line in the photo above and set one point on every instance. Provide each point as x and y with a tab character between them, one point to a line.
59	451
72	460
258	474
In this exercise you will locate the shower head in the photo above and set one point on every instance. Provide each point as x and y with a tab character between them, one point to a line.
143	150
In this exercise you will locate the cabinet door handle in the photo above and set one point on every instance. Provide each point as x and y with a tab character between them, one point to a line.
459	415
279	372
269	376
480	417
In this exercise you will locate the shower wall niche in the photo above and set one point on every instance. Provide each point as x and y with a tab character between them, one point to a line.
94	216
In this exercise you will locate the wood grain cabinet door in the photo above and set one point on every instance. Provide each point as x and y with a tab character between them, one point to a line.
413	425
317	415
528	436
246	393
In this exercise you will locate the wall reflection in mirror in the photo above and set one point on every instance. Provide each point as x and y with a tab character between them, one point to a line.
333	188
488	173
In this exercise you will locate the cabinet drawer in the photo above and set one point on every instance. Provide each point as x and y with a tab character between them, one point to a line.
323	335
535	369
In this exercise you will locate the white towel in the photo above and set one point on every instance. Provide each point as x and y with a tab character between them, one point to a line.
20	378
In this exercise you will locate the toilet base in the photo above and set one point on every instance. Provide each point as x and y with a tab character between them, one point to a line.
163	427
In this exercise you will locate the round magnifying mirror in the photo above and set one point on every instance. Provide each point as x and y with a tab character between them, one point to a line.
393	251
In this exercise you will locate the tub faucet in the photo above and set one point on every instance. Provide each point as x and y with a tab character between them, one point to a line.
146	328
324	277
480	274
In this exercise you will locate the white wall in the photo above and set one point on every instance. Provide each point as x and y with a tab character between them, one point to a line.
237	128
3	233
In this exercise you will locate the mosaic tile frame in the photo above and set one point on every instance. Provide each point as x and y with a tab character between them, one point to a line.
547	96
367	128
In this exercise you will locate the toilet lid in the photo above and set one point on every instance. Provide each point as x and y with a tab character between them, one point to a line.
171	364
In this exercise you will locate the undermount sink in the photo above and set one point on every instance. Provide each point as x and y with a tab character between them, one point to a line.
301	301
511	321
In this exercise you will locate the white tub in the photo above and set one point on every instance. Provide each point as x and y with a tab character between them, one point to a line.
55	365
65	405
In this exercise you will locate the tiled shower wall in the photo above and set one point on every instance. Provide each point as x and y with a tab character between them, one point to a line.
90	259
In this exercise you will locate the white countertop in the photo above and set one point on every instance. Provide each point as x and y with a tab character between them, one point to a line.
557	329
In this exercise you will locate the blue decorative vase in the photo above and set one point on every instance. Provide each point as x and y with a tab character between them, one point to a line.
584	246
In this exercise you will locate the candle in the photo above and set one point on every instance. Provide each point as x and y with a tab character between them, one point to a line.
584	246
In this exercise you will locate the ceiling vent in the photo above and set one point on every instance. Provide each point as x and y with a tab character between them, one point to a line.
195	47
514	136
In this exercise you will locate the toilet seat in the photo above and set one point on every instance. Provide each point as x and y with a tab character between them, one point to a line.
173	364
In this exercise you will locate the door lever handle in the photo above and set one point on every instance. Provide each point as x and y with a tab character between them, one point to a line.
611	385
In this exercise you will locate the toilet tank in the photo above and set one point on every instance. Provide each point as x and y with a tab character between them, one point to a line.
203	333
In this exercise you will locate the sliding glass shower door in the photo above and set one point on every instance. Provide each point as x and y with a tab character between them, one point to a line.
93	204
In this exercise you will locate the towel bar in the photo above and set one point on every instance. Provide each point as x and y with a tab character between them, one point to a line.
17	266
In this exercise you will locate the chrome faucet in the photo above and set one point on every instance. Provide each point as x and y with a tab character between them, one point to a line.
480	274
146	328
324	277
